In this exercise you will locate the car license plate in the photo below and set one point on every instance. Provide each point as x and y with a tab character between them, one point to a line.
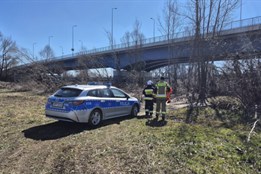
58	104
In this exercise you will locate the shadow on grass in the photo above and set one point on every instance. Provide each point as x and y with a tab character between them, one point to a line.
152	122
54	130
155	123
60	129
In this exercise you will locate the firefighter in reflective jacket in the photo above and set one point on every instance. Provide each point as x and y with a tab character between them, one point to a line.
162	87
149	94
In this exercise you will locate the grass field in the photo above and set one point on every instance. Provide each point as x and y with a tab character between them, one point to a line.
32	143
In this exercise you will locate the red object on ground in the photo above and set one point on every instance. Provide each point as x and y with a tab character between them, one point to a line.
168	95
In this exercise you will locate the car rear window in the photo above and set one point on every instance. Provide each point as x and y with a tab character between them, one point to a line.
68	92
93	93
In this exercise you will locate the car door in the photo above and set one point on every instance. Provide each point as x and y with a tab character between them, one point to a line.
107	103
122	104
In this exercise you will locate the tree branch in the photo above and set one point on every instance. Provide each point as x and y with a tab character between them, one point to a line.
248	138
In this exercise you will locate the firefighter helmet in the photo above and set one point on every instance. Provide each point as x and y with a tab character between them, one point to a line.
149	82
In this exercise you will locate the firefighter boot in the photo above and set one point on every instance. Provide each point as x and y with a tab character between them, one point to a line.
163	117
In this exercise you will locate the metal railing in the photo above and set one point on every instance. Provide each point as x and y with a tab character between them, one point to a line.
176	37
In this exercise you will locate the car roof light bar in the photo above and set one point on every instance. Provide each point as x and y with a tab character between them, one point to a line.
108	84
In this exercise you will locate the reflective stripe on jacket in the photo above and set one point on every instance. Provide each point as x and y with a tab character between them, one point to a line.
149	92
162	89
148	98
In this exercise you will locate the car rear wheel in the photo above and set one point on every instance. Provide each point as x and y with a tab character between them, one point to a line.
95	118
135	111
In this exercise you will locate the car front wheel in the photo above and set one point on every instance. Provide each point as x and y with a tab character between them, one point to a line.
134	111
95	118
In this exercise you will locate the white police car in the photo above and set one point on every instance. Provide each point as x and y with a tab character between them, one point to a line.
90	104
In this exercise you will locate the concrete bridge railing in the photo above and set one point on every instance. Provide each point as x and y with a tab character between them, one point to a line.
228	28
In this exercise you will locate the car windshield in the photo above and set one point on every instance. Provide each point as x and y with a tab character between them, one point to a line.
68	92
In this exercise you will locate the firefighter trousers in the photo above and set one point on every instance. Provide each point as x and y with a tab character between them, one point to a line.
161	107
149	107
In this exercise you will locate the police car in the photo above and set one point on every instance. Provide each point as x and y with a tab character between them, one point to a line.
90	103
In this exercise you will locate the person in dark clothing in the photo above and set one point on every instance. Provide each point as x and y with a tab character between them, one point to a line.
149	94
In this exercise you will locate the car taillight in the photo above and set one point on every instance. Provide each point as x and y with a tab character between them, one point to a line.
77	102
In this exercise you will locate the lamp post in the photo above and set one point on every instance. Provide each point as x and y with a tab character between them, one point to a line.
112	26
73	38
240	10
49	41
240	13
153	28
115	58
33	49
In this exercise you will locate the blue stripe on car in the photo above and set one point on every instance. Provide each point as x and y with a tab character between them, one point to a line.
88	104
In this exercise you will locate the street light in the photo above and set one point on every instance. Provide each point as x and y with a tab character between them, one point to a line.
153	28
112	26
49	40
73	38
33	49
240	10
240	13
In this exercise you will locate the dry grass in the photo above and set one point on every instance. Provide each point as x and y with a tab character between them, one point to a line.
32	143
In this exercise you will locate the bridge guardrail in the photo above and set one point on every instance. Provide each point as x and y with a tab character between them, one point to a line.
179	36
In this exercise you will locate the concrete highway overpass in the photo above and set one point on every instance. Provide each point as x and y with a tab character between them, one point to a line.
239	38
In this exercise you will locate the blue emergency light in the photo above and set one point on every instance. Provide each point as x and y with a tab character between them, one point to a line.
108	84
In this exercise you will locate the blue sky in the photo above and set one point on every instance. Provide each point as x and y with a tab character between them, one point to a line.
34	21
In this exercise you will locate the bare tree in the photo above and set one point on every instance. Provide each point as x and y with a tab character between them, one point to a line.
34	74
134	41
47	53
126	39
169	26
114	55
8	57
242	81
137	38
208	19
92	68
170	23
